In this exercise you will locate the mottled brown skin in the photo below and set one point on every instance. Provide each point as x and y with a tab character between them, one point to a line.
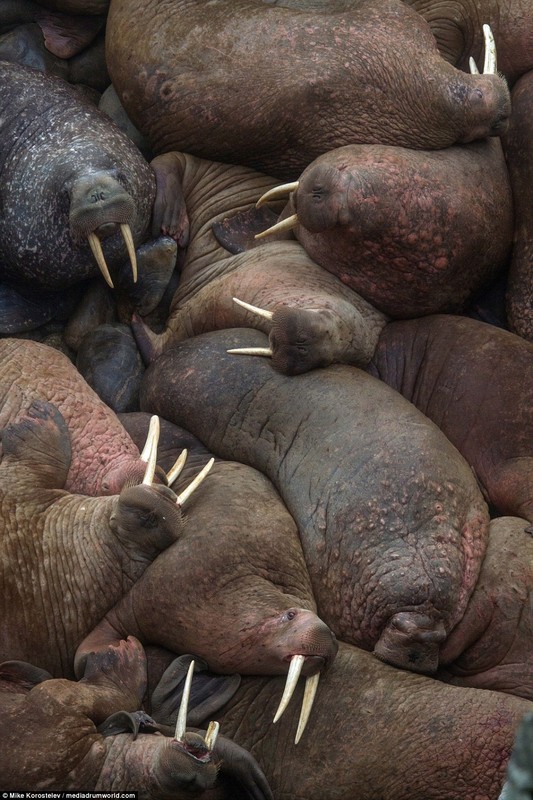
414	232
66	558
475	381
392	523
184	74
378	733
245	604
518	145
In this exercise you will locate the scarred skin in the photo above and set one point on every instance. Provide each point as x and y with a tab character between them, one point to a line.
103	457
475	381
393	525
331	88
246	605
66	558
414	232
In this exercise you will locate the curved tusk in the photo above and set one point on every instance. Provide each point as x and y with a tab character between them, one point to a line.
252	351
473	66
181	722
130	246
261	312
98	253
489	66
184	496
211	735
175	471
293	674
311	685
285	225
277	192
149	453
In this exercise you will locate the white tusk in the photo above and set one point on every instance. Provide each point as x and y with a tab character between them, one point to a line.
128	239
284	225
181	722
252	351
211	735
175	471
311	685
277	192
261	312
473	66
293	674
149	453
489	66
98	253
184	496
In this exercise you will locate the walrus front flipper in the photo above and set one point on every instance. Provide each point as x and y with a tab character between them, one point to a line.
20	312
22	676
128	722
236	233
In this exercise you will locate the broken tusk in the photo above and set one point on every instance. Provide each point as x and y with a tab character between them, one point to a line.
211	735
284	225
473	66
277	192
184	496
261	312
175	471
293	674
98	253
149	453
252	351
489	66
311	685
181	722
130	246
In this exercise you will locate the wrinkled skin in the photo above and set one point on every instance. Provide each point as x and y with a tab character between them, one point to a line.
251	570
378	733
316	319
392	523
66	558
475	381
103	457
188	98
412	231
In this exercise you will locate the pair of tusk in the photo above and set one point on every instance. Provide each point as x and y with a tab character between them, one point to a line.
98	253
181	722
149	454
253	351
311	685
489	66
277	193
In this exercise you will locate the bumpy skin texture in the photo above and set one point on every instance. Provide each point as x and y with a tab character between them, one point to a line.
66	558
475	381
53	139
392	523
414	232
277	276
377	733
103	457
301	83
251	570
518	146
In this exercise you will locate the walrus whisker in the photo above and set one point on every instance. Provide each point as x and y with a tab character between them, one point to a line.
150	450
261	312
277	192
293	674
130	246
176	470
284	225
181	722
252	351
184	496
311	685
98	253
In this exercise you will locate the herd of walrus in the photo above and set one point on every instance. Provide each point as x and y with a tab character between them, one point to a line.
266	398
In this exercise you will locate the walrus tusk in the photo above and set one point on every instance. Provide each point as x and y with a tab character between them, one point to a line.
489	66
128	240
311	685
175	471
211	735
293	674
285	225
261	312
252	351
149	453
98	253
184	496
181	722
277	192
473	66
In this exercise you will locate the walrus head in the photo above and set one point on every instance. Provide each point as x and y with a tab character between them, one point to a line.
99	205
